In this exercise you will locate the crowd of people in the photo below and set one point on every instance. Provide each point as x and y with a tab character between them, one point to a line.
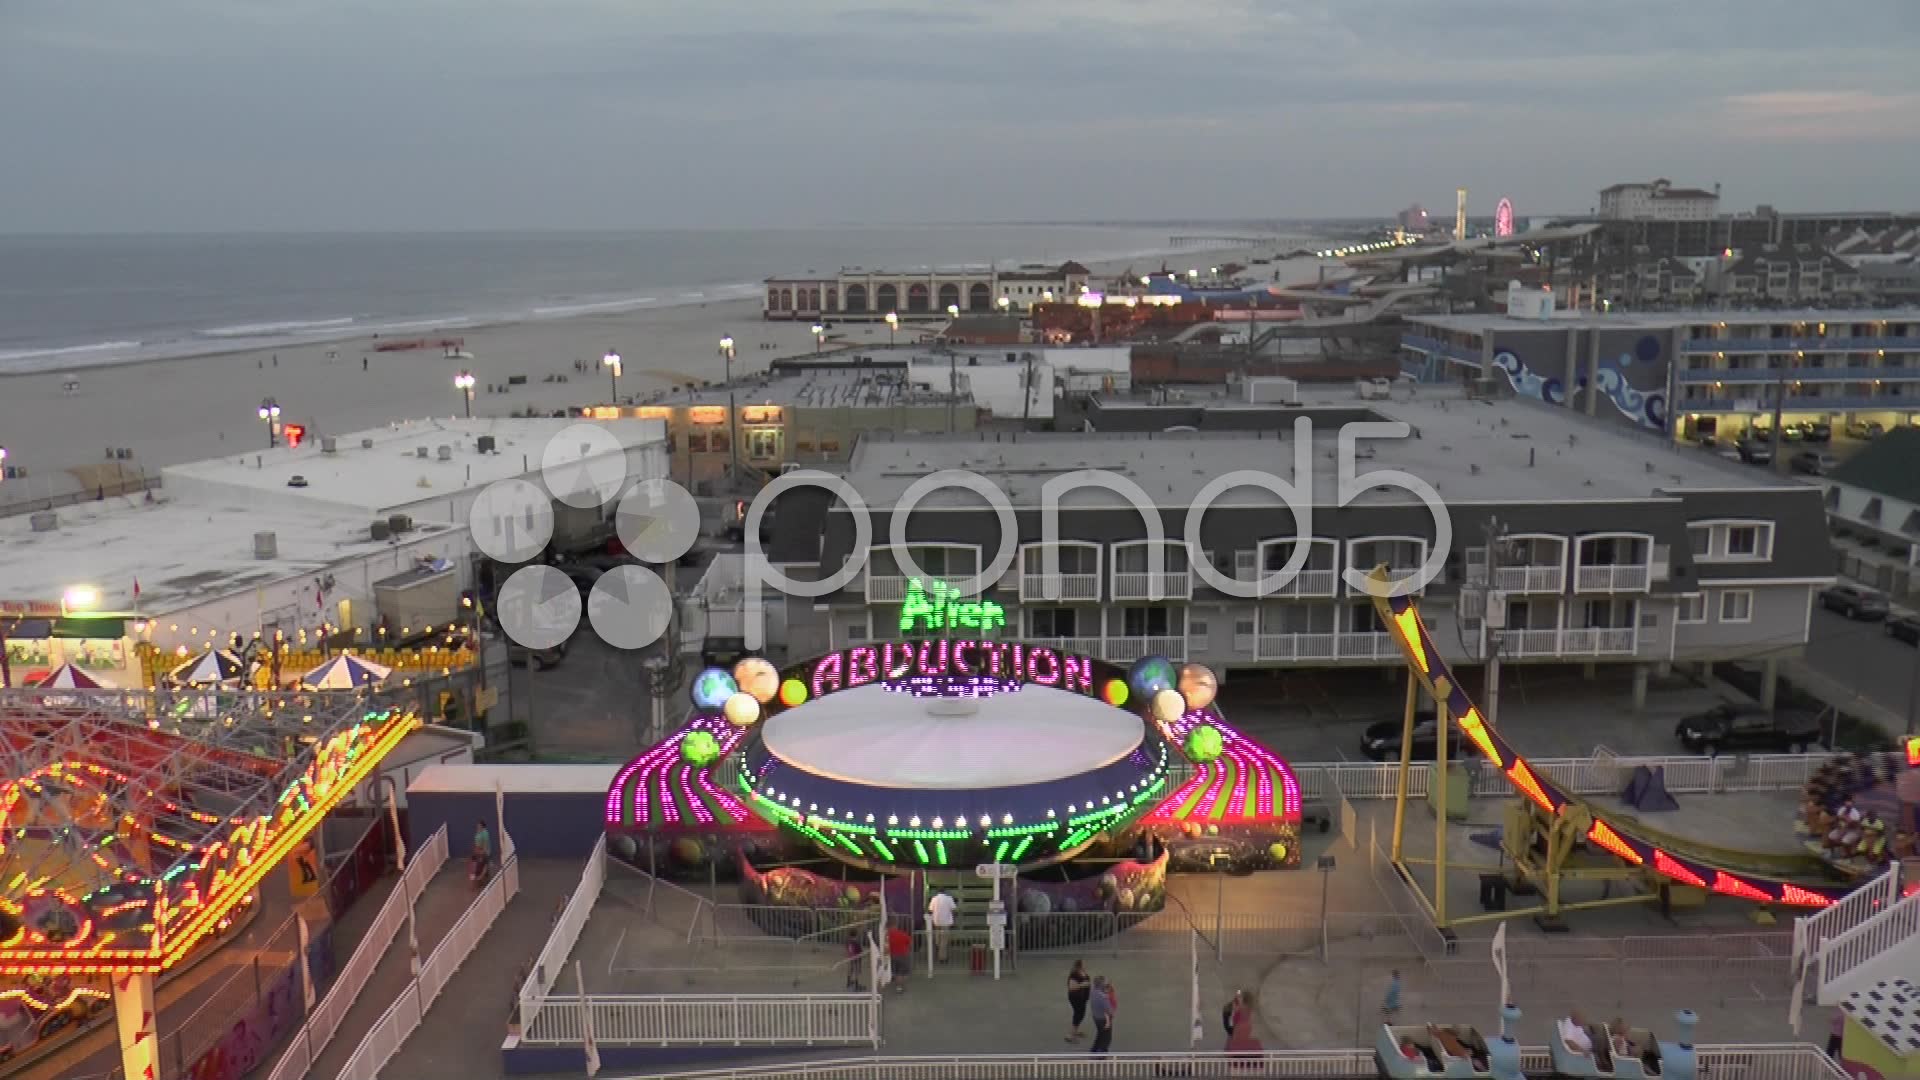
1845	826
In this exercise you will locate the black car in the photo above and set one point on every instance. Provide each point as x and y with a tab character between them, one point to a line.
1755	451
1381	740
1903	628
1820	431
1854	601
1747	729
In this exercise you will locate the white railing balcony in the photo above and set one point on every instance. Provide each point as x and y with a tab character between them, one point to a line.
1309	583
1597	641
1295	647
1394	573
1084	646
1059	587
1530	579
1125	650
886	588
1367	646
1516	643
1166	585
1621	578
1246	644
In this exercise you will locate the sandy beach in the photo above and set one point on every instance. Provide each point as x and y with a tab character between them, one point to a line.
170	411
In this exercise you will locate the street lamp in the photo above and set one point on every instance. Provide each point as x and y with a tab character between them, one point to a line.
893	326
953	311
819	338
1005	303
612	362
269	413
733	414
464	383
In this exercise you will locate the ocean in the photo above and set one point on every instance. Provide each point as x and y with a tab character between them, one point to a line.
69	302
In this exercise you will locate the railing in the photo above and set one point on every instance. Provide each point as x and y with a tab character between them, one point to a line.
885	587
1530	642
1124	650
404	1015
1596	641
1887	399
1295	647
1530	579
1758	1061
1394	573
1367	646
1800	344
1623	578
1897	925
1059	587
1306	583
1601	775
1769	376
1858	906
564	935
1166	585
1086	646
708	1020
312	1039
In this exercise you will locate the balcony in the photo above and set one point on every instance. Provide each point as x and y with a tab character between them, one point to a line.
1294	647
1802	374
1597	641
1059	587
1394	573
1806	403
886	588
1522	643
1421	343
1530	579
1125	650
1308	584
1620	578
1378	645
1806	344
1166	585
1085	646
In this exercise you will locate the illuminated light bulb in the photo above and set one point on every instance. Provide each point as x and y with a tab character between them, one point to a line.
892	819
936	823
985	820
1006	819
913	822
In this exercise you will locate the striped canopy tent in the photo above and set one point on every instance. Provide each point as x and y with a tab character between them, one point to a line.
69	677
210	668
344	672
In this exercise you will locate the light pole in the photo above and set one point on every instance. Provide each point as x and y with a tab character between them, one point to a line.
953	311
1005	303
819	338
269	413
612	362
463	382
733	416
893	326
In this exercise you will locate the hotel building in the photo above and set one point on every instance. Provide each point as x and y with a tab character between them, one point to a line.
856	295
1605	548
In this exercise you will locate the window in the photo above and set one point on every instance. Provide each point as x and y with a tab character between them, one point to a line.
1138	622
1700	538
1743	541
829	446
1691	609
718	442
697	442
1733	541
1196	629
858	632
1736	606
763	444
1053	622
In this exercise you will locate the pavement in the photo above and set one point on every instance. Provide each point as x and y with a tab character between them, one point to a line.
1856	666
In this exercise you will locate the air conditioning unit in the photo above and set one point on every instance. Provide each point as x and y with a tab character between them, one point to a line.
399	523
379	530
328	446
484	444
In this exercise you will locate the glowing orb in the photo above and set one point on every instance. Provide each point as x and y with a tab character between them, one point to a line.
1168	706
1151	674
712	687
1204	743
756	676
1198	685
1114	693
699	749
742	710
1278	851
793	692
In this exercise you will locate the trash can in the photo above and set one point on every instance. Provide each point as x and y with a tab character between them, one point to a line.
1493	892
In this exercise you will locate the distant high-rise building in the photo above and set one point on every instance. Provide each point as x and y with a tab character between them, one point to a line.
1460	213
1658	201
1414	219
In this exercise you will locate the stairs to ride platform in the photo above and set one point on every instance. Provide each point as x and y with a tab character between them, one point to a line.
1884	946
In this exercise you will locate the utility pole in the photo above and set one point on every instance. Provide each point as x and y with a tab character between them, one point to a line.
1779	402
1495	538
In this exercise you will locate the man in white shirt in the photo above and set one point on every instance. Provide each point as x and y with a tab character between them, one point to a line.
1574	1034
940	910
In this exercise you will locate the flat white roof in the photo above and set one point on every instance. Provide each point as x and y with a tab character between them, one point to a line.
390	473
1475	451
180	551
884	737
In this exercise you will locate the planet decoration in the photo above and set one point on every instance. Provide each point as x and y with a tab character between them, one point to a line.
1198	685
1168	706
1204	743
754	675
699	749
712	687
1151	674
741	710
1278	851
793	692
1114	693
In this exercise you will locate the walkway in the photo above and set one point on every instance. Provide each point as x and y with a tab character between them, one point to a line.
442	903
461	1035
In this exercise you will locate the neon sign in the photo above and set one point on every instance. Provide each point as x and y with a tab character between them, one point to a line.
937	607
922	664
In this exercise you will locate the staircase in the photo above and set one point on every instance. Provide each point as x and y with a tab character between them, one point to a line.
1885	946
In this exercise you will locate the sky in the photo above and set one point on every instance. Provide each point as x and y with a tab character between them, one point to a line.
297	115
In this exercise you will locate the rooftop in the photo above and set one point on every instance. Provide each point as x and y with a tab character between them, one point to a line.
180	551
1470	451
375	471
1885	466
1655	320
845	385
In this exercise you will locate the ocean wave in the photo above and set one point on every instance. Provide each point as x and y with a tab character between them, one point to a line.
275	329
592	307
24	361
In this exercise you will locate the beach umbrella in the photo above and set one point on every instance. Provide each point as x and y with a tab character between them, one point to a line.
210	667
344	672
69	677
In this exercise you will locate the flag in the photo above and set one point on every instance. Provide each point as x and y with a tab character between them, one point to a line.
586	1024
1500	963
136	592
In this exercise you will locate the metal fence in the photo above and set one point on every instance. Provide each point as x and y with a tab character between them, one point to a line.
1897	926
564	936
1601	774
1626	972
708	1020
1760	1061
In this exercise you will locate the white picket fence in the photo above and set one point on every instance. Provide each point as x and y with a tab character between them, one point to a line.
1758	1061
1897	927
324	1022
1858	906
564	936
1601	774
404	1015
708	1020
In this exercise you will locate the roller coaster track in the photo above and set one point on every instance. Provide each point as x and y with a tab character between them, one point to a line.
1786	880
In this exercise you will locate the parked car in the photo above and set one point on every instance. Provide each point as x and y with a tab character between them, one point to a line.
1865	429
1793	432
1813	462
1903	627
1755	451
1747	729
1381	740
1820	431
1854	601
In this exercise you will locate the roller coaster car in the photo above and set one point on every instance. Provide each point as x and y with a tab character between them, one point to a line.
1455	1050
1641	1059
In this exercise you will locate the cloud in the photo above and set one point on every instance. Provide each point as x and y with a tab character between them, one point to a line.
1823	115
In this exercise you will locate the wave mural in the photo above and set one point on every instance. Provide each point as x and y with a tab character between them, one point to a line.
1525	380
1644	408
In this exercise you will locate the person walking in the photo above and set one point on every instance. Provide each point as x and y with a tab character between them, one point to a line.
1228	1014
940	910
1103	1003
1240	1036
1837	1034
1079	989
1390	1004
900	953
482	857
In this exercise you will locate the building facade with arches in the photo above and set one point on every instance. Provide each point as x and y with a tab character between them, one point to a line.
857	295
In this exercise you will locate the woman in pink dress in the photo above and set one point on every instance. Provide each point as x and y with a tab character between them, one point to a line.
1243	1040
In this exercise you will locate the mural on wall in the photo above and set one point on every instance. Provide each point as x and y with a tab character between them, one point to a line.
1614	382
249	1042
1527	382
